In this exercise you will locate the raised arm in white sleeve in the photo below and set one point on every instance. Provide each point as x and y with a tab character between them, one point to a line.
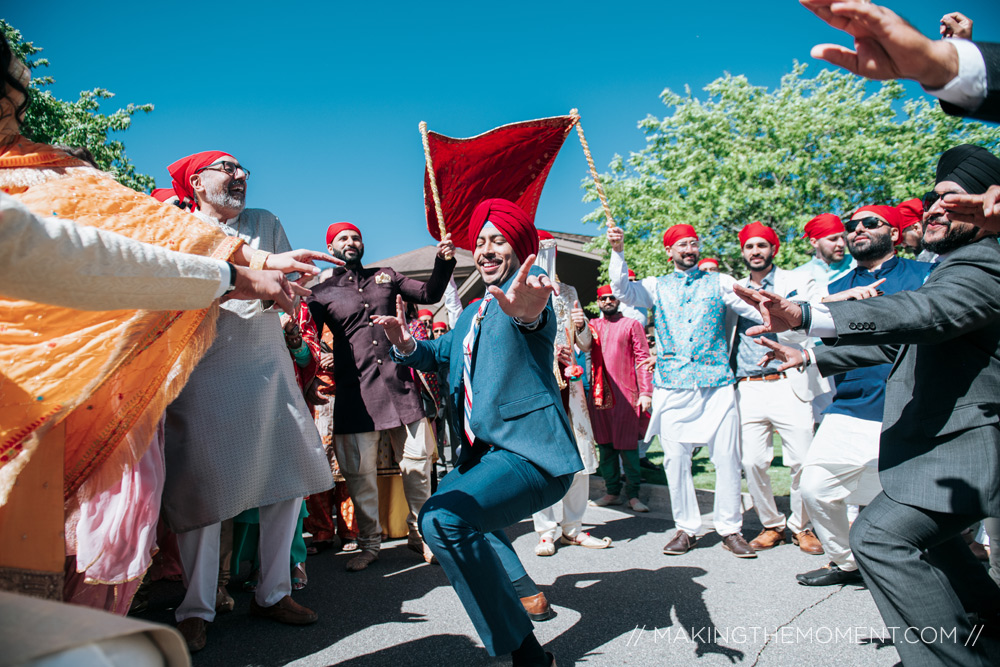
54	261
639	293
452	302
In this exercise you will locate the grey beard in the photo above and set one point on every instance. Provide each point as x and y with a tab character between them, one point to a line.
953	240
880	246
223	199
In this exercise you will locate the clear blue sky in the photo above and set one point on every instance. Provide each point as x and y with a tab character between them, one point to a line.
322	100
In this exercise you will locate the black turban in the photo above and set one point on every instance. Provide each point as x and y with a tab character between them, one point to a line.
972	167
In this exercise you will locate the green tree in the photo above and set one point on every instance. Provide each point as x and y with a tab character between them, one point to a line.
810	146
54	121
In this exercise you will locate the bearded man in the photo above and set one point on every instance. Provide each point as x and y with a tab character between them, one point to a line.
239	435
373	394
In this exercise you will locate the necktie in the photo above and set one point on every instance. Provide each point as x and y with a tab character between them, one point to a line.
467	345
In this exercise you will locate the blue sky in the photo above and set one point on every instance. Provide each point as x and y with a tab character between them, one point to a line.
322	100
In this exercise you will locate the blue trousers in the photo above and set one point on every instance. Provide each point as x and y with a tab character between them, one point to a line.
463	525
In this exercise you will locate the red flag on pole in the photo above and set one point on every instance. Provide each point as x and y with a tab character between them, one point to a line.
511	161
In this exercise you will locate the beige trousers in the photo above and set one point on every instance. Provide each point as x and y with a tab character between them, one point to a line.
357	454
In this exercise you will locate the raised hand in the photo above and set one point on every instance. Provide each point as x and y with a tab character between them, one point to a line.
956	24
779	314
526	297
980	210
886	46
578	316
445	248
395	327
616	238
789	356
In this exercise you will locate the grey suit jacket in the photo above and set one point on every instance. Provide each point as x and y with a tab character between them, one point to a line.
940	446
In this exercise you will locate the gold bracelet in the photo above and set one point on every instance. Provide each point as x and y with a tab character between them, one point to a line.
258	258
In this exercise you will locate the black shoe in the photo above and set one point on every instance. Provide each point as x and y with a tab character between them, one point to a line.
647	464
831	575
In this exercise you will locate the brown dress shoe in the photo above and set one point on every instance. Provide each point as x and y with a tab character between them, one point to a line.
768	538
286	610
808	542
738	546
538	607
680	544
193	631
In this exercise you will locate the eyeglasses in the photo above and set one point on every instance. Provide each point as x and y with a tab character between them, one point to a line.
228	167
686	245
931	198
870	222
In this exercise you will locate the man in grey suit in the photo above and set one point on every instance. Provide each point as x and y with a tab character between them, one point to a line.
940	445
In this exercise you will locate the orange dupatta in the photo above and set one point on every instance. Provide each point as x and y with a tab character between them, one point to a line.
105	373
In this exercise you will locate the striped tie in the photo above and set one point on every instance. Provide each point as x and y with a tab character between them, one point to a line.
467	345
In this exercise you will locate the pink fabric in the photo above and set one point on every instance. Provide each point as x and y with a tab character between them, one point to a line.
624	347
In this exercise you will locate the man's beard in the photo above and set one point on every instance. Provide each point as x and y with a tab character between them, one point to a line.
354	261
953	239
609	309
225	199
878	247
767	264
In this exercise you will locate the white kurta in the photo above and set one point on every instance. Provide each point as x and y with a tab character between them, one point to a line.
240	435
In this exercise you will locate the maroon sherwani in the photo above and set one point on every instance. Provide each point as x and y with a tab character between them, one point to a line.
373	394
624	347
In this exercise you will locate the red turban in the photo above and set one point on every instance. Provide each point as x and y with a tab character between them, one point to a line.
912	211
511	220
755	229
544	235
162	194
604	290
823	225
336	228
631	273
182	170
676	233
439	325
424	313
890	213
708	261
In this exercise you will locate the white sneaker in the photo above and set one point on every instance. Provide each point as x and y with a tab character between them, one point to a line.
545	547
637	505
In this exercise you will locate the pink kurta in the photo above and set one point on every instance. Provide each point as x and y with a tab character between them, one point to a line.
624	347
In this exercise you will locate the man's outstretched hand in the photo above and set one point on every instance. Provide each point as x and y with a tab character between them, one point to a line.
980	210
789	357
395	328
526	297
268	286
779	314
885	45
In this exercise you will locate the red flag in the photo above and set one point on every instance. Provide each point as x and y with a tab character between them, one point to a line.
511	161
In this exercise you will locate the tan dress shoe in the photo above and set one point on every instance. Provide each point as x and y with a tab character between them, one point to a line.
286	610
538	607
808	542
768	539
193	631
738	546
680	544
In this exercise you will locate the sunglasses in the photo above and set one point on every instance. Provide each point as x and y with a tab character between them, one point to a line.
870	222
932	197
606	298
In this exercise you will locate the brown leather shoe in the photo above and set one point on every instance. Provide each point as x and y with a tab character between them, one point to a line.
538	607
768	538
808	542
681	543
193	631
738	546
286	610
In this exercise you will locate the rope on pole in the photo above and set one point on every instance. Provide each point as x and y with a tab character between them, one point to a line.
593	170
433	179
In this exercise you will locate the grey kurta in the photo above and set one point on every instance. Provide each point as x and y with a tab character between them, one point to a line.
240	435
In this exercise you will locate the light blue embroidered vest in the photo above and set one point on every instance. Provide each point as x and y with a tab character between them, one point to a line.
691	347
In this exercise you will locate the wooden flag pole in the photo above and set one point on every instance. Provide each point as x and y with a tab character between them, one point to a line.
593	170
433	179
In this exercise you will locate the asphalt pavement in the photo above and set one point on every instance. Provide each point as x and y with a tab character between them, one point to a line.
626	605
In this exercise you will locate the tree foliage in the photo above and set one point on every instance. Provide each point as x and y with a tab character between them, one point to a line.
810	146
53	121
